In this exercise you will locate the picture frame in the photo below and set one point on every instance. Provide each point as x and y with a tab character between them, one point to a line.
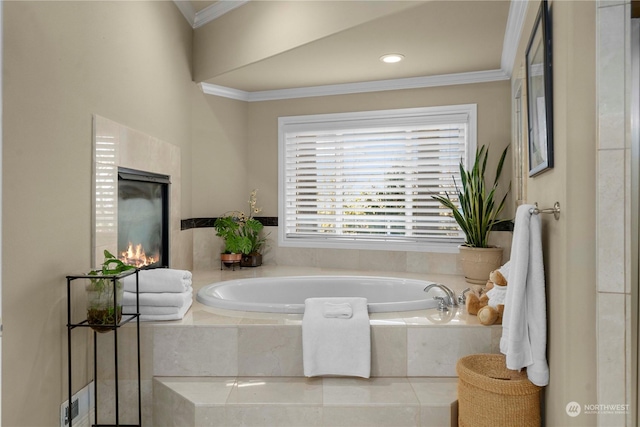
539	78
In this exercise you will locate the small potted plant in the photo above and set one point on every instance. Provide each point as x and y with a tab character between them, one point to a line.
103	312
476	216
228	227
241	235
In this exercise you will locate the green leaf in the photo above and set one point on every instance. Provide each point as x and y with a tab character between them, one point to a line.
476	212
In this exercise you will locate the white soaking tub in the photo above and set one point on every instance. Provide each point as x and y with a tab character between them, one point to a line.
287	294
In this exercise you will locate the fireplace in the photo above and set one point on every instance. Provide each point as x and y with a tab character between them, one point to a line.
143	218
116	147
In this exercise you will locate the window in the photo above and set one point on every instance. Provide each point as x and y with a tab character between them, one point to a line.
364	180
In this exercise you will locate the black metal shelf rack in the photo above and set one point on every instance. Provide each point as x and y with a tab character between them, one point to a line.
126	318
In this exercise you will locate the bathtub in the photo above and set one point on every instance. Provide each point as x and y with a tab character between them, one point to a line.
287	294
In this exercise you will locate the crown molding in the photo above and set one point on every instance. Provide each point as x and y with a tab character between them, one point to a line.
361	87
215	11
512	34
187	10
225	92
209	13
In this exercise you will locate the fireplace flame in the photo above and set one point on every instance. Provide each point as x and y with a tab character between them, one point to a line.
135	255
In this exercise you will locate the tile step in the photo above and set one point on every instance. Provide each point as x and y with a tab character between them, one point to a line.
304	402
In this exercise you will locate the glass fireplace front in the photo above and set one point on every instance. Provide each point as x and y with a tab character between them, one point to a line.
143	218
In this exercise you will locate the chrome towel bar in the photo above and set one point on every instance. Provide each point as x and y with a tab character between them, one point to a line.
555	210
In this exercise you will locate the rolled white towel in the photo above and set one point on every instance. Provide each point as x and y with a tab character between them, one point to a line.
497	295
159	280
339	311
165	299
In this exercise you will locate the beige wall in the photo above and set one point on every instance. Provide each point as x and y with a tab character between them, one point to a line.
219	167
493	124
63	62
570	243
259	169
129	61
259	145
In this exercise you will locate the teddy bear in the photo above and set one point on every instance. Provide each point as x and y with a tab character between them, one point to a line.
476	299
487	302
491	313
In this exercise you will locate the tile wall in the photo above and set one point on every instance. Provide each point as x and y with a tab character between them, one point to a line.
614	302
206	249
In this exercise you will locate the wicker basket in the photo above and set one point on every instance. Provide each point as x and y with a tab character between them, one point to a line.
490	395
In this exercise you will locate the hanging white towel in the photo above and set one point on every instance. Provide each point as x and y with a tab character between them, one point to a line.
524	322
334	345
159	280
165	299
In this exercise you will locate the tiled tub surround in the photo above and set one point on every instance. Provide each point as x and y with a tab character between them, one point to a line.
252	353
305	402
205	243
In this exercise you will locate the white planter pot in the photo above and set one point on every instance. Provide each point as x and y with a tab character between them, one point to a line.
477	263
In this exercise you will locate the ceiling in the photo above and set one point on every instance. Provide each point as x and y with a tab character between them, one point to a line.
277	45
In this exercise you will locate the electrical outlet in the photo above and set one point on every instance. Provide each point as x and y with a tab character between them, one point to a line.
74	411
81	405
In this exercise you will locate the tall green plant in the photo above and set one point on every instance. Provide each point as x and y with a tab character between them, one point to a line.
478	210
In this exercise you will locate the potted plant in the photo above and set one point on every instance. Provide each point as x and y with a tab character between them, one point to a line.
476	216
241	234
105	294
228	227
251	228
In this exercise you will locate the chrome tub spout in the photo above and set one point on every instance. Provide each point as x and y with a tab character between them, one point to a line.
451	296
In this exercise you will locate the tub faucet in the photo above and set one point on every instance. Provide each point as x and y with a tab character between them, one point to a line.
462	298
451	296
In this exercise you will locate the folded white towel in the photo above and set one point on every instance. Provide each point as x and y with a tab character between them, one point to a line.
159	280
336	346
340	311
127	309
524	322
165	299
176	313
154	310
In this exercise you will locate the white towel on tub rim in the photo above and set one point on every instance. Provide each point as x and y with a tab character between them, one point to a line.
334	345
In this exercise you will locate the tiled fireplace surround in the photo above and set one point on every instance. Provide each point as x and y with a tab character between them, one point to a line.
212	343
116	146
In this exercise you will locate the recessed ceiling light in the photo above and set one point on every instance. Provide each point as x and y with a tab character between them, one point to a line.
392	58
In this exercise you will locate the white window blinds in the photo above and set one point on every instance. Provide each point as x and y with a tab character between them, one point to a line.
366	179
